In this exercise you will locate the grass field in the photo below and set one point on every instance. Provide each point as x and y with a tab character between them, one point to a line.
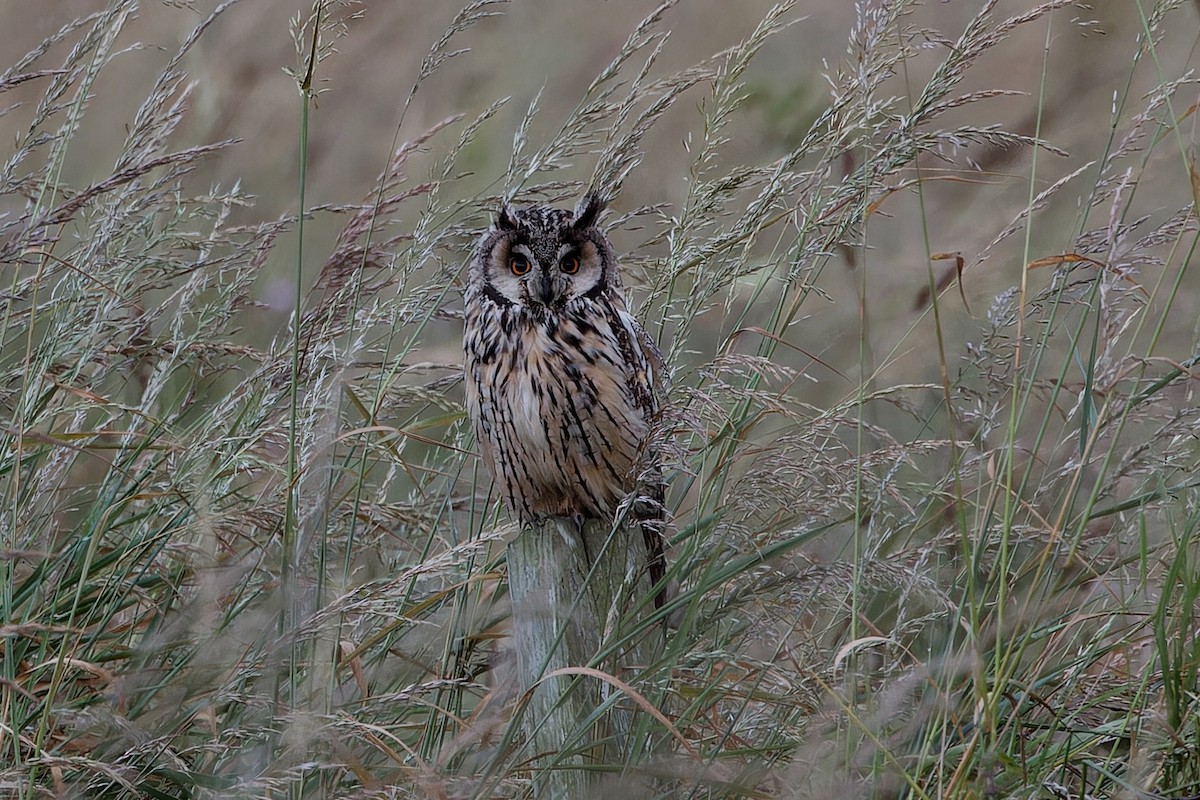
921	276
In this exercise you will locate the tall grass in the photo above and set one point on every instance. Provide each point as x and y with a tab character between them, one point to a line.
242	566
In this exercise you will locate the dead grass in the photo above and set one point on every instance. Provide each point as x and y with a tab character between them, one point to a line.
925	549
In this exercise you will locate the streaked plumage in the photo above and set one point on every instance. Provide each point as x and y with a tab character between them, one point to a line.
560	378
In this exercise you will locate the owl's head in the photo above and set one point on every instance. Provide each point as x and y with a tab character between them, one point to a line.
541	258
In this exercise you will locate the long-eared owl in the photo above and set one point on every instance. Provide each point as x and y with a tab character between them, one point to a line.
560	378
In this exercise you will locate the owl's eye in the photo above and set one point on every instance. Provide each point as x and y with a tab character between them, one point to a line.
569	264
519	264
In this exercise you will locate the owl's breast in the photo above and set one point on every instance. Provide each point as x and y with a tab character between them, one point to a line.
557	415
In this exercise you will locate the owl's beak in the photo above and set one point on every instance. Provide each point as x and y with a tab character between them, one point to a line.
546	292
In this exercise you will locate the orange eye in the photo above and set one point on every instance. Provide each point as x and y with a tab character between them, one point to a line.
519	264
569	264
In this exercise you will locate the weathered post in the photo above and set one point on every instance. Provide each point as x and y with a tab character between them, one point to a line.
571	594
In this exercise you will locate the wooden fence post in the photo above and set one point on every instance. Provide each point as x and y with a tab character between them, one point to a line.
571	593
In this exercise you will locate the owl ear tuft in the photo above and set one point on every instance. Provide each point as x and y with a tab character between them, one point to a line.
588	211
505	219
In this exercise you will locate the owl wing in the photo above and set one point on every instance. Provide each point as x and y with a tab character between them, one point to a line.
647	384
646	367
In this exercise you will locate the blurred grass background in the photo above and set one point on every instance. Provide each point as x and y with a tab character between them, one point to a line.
552	50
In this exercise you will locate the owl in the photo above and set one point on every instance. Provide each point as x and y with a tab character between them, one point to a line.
561	380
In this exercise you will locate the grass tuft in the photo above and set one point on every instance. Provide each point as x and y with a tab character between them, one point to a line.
931	425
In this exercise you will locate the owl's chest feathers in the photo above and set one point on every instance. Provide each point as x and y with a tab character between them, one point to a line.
561	369
554	396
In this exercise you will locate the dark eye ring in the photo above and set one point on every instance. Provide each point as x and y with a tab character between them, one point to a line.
569	264
519	264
